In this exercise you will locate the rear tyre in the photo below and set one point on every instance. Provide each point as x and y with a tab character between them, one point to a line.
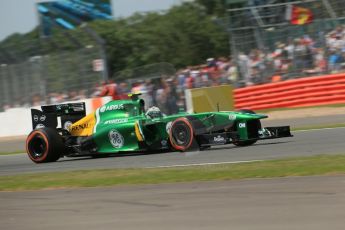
253	126
44	145
181	135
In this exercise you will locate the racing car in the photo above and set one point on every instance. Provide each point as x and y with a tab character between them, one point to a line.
120	126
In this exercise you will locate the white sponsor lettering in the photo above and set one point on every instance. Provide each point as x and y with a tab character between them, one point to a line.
232	117
168	126
115	138
35	118
116	121
43	118
40	126
242	125
111	107
219	139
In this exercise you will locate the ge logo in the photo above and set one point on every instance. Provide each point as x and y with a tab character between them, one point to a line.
242	125
116	139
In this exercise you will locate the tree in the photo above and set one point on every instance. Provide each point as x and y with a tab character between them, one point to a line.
214	7
184	35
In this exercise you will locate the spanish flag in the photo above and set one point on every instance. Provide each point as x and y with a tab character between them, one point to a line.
299	15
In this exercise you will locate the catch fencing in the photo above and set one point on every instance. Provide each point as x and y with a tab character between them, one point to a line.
267	46
43	71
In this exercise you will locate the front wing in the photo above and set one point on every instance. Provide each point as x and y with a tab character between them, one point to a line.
222	138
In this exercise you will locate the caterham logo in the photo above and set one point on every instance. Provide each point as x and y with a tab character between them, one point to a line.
115	138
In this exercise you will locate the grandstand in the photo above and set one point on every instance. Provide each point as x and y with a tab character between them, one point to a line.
265	41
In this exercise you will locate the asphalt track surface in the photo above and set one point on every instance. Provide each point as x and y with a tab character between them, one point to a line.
295	203
304	143
18	143
314	203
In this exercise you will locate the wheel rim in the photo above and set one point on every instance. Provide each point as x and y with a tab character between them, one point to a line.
37	147
181	134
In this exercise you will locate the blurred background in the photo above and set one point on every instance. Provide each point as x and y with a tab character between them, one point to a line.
67	50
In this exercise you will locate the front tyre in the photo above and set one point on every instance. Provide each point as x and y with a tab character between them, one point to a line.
44	145
181	134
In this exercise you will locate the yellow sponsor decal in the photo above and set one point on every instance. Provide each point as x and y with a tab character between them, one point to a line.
138	132
83	127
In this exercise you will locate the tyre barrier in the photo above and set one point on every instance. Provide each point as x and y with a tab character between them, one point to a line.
302	92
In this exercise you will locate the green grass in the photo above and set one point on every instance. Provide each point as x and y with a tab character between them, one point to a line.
306	166
12	153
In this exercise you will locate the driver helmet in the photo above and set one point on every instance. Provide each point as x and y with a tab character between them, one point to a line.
154	112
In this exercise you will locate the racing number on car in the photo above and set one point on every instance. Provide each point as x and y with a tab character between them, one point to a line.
115	138
242	125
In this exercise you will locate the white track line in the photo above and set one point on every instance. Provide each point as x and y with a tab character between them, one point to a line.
203	164
234	162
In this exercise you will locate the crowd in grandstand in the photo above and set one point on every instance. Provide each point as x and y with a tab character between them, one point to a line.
296	57
167	92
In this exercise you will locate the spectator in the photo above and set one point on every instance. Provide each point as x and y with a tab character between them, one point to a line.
300	53
334	61
36	100
109	89
244	65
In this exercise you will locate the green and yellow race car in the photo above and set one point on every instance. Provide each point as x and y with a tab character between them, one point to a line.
124	126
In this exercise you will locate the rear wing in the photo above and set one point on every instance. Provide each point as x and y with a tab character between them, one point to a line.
49	115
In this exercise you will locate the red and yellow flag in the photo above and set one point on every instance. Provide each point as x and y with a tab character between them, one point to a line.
300	15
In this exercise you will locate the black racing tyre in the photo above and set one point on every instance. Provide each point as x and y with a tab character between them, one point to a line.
181	134
44	145
256	124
